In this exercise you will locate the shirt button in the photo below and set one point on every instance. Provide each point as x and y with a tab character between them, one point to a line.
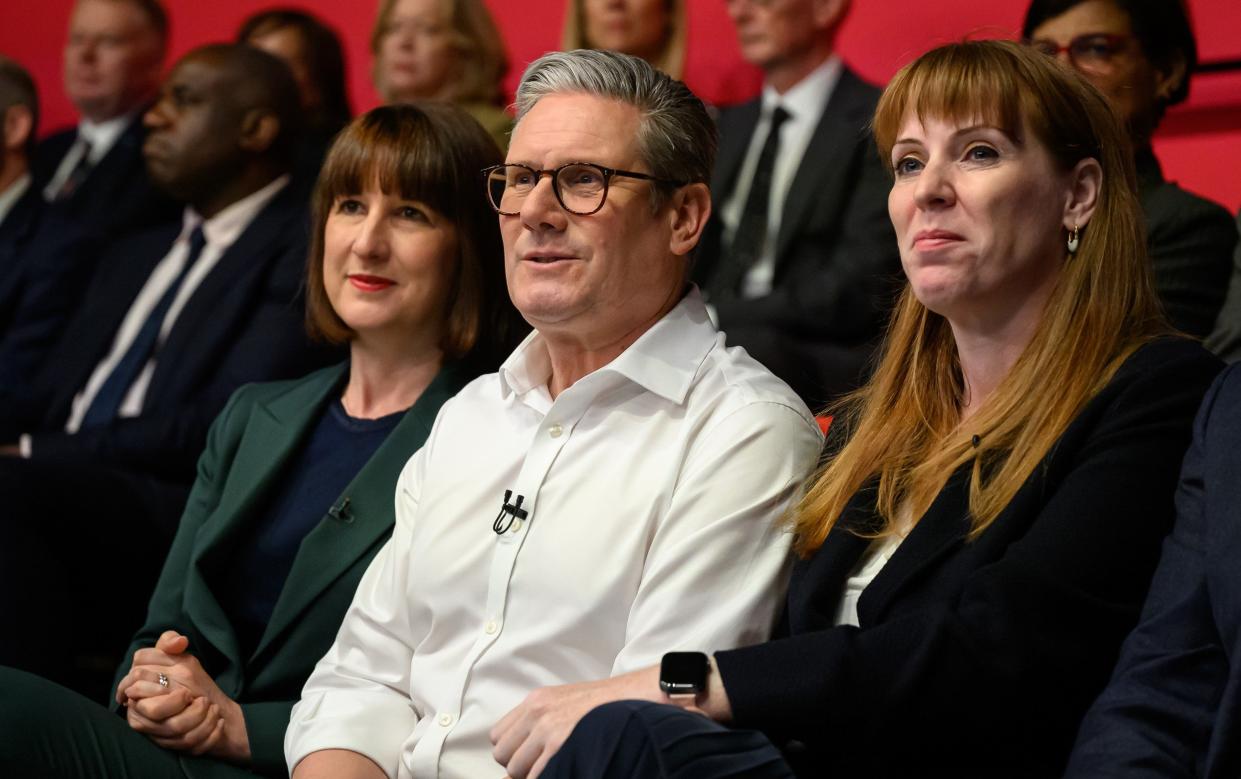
491	627
555	430
445	719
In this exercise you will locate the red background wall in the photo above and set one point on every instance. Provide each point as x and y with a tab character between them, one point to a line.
1199	143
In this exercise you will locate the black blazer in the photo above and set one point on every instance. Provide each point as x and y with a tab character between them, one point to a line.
837	264
243	323
16	230
1225	339
1190	241
1173	707
118	194
979	658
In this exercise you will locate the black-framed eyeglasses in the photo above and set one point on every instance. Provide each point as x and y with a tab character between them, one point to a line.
1093	52
580	187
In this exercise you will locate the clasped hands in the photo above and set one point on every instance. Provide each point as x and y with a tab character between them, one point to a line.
191	714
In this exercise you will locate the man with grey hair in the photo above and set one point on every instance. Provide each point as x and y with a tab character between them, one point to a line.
613	492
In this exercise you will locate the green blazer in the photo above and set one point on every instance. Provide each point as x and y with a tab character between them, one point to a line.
248	446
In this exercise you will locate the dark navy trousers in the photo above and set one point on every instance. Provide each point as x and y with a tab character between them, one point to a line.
639	739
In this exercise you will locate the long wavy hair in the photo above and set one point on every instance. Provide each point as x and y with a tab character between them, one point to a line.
903	428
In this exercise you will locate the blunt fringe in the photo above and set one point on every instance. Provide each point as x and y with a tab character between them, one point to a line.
432	153
903	433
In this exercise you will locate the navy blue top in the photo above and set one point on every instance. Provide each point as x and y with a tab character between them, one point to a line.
314	478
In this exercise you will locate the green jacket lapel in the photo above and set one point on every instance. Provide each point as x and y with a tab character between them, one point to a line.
272	435
346	534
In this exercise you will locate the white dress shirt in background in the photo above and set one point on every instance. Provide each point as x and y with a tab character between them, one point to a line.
99	137
805	104
221	232
655	488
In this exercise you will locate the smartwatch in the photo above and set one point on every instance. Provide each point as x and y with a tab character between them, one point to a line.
684	673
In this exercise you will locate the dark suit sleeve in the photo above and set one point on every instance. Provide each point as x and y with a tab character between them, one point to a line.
1156	716
1191	242
1031	635
165	610
270	344
56	263
1225	339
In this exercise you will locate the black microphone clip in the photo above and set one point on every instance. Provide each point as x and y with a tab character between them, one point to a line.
513	510
340	510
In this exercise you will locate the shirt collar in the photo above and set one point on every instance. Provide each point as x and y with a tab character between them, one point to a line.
226	227
664	359
808	98
10	196
102	135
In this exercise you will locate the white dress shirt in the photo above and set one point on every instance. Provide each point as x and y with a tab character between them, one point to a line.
10	196
655	488
805	103
99	137
220	231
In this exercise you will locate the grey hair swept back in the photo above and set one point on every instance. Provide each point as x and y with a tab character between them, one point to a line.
676	137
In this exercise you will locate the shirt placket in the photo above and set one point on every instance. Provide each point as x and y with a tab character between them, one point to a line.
549	439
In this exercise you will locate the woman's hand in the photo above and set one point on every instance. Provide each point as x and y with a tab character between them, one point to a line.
191	714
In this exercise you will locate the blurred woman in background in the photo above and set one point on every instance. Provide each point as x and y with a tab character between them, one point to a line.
442	50
1141	54
313	51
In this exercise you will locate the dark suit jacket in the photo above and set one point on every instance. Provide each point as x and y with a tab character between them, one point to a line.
1190	241
60	253
243	323
15	231
1173	708
1225	339
837	264
260	430
979	658
118	194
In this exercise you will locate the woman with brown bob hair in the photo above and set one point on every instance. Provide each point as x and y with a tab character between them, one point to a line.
988	514
442	50
295	489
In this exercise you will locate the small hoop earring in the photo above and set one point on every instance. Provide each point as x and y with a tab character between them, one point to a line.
1074	239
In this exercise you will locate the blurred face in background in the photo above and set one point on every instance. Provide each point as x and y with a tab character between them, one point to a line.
417	56
1096	38
112	58
637	27
288	44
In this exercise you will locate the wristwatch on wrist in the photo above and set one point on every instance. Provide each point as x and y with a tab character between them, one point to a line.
684	673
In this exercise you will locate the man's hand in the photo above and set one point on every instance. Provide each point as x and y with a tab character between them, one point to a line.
527	737
10	450
192	714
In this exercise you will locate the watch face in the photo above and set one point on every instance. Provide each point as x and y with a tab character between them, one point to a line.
683	672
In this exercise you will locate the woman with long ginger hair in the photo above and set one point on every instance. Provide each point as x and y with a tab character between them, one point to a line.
987	519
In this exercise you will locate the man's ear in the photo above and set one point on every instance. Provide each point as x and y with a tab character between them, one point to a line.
688	214
259	130
1085	184
18	125
1166	79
